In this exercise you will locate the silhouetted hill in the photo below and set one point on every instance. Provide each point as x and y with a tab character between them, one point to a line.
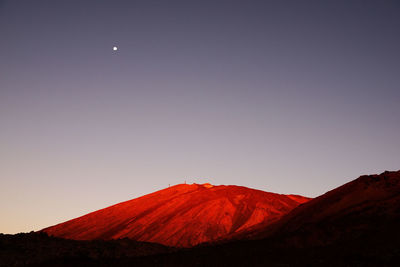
369	205
38	249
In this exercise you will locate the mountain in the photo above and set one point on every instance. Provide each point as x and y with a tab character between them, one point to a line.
182	215
356	224
365	208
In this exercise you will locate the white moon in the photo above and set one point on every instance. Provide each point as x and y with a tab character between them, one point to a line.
115	48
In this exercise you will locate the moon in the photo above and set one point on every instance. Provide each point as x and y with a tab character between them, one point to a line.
115	48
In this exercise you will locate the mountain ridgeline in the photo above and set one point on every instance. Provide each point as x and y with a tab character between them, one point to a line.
182	215
356	224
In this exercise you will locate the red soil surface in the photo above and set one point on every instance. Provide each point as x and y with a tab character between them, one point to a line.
182	215
367	207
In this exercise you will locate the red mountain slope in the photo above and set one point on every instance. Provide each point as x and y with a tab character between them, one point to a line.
367	208
182	215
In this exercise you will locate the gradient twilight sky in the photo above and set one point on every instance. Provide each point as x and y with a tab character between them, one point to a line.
283	96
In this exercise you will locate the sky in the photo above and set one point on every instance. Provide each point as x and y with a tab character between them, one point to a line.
283	96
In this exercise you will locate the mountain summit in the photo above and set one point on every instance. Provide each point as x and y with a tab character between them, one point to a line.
182	215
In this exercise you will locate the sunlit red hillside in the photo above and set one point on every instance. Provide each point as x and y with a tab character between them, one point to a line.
182	215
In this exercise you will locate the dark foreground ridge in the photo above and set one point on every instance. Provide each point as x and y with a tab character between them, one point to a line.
356	224
39	249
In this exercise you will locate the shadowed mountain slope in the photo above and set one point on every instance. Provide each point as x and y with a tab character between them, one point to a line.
182	215
365	208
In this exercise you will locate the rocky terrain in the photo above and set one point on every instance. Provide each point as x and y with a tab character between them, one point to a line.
182	215
356	224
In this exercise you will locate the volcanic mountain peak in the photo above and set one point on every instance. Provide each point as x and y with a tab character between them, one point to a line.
207	185
181	215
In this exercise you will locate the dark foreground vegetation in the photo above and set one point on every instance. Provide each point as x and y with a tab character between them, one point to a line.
37	249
